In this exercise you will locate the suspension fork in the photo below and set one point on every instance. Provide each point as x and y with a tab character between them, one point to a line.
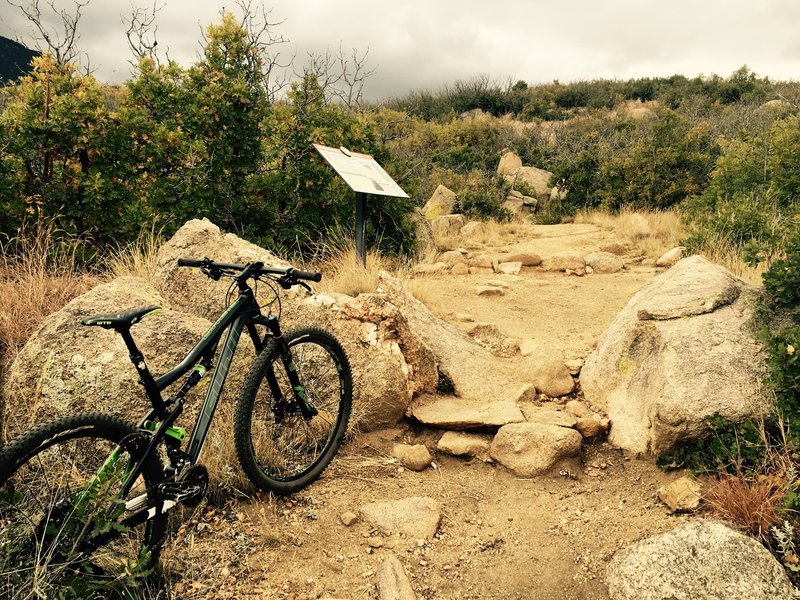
298	390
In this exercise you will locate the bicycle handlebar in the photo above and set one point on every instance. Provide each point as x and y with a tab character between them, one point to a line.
291	272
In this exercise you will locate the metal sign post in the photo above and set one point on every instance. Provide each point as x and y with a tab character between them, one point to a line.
361	227
364	176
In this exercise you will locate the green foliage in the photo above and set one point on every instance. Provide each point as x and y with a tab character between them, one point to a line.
753	193
730	447
782	280
65	570
649	163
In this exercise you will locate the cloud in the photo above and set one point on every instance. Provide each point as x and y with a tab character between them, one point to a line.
418	44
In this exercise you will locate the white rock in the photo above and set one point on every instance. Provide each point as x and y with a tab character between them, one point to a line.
702	559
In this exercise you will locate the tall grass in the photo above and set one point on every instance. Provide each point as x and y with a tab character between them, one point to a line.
136	259
650	233
39	273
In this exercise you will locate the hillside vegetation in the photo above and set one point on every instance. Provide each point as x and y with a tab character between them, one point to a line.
214	139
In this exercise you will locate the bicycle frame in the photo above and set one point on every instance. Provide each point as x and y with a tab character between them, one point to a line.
242	314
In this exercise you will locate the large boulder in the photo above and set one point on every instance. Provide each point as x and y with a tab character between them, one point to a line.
188	289
389	363
702	559
66	367
535	180
447	226
442	202
680	350
509	164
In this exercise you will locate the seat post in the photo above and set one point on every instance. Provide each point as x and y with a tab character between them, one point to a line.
145	377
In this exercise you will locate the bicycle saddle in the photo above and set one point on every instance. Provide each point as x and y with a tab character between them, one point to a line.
122	320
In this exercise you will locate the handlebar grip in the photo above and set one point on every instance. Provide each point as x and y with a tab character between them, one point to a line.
316	277
189	262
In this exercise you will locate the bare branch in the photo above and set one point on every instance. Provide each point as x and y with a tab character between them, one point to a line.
61	40
141	31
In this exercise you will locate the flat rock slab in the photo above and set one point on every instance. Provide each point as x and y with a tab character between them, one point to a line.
449	412
417	517
681	495
540	414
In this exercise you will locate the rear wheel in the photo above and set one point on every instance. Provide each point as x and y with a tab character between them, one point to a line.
61	510
280	449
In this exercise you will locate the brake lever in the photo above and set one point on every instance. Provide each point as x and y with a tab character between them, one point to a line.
211	273
306	286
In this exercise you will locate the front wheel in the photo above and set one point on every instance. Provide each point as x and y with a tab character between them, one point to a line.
283	448
61	510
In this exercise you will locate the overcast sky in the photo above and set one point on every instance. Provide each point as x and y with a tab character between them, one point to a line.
416	44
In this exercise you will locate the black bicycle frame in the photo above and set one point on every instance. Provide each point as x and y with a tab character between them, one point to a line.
244	312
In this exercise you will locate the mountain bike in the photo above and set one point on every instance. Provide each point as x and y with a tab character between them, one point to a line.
89	494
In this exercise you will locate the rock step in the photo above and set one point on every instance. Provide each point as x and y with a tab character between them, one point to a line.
450	412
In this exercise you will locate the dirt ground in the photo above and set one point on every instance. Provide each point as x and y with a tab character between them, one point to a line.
500	536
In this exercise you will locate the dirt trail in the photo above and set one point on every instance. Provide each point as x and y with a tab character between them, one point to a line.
501	536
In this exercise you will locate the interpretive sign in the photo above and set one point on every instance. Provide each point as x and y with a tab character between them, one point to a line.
364	176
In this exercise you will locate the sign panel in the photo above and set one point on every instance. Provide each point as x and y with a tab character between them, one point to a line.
361	172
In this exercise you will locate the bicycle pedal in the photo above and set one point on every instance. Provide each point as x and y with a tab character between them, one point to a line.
188	489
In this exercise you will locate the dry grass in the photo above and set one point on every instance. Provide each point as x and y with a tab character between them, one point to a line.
720	250
492	233
344	273
650	233
39	277
137	259
751	505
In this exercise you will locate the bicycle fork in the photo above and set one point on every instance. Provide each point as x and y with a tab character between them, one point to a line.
301	399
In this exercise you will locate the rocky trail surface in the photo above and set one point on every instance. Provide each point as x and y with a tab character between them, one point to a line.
461	527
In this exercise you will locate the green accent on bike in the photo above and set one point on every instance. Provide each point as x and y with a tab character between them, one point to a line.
147	314
301	392
179	433
292	367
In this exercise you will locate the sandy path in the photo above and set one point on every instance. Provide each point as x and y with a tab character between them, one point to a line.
501	537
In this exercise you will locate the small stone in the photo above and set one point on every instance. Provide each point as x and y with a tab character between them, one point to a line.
591	426
480	270
574	365
348	518
486	290
416	457
525	393
604	262
459	269
671	257
682	495
530	449
527	259
509	268
464	444
577	408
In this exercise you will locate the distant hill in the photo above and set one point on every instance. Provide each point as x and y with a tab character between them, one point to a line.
15	59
